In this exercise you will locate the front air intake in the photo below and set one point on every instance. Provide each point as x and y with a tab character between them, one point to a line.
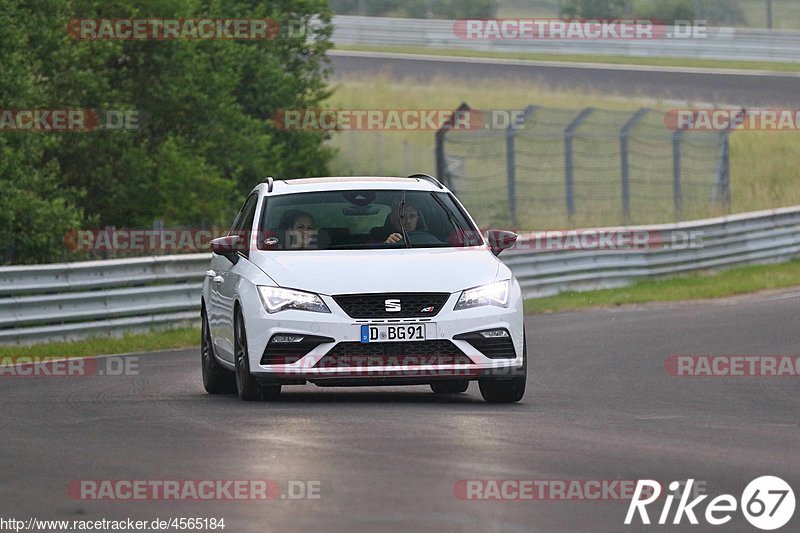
288	348
493	343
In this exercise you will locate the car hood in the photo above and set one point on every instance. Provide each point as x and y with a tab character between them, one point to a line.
405	270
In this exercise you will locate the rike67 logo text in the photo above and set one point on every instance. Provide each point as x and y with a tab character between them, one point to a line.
767	503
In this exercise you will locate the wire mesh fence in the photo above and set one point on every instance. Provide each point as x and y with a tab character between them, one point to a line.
566	167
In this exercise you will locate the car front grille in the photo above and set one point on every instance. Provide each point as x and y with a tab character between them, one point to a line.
378	354
411	304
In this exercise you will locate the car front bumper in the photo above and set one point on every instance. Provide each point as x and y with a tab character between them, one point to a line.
339	327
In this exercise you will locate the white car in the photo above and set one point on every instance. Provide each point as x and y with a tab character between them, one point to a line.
360	281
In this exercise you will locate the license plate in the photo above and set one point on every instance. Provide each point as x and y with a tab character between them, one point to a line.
393	333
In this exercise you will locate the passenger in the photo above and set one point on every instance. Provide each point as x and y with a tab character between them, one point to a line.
299	227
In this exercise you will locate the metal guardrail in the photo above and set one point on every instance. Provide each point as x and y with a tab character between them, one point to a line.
67	301
720	43
74	300
750	238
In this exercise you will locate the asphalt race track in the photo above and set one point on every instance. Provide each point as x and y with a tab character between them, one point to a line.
733	87
599	406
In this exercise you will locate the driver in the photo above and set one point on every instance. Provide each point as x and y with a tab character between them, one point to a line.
394	229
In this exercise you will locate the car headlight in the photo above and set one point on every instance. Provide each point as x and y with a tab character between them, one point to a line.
492	294
276	299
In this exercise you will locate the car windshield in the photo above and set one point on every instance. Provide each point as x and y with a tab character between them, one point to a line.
364	219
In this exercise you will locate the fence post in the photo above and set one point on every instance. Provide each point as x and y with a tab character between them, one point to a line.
724	174
677	194
511	164
379	151
352	149
623	150
441	163
406	159
109	253
158	229
569	178
511	171
769	14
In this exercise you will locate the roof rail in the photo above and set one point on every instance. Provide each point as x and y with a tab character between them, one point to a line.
269	181
427	177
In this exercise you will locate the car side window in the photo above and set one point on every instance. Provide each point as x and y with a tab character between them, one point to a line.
237	219
243	224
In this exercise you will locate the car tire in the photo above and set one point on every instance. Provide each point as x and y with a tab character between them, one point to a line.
507	390
450	387
247	387
216	379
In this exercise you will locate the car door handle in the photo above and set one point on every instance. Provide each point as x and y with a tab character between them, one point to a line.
210	273
217	279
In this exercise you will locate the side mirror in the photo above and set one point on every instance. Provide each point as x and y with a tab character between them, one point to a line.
499	240
227	247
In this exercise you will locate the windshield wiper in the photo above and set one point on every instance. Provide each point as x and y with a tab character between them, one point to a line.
401	215
450	216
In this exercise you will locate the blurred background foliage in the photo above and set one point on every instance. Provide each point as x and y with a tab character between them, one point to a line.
205	135
728	12
205	107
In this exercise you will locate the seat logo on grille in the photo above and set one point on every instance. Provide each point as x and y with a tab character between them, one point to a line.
392	305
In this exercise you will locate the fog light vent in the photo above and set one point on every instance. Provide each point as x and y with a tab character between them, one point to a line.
288	348
493	343
495	334
286	338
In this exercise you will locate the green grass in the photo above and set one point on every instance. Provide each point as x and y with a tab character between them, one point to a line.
777	66
739	280
139	342
785	14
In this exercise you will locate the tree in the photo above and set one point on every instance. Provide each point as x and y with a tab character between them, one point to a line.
35	209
